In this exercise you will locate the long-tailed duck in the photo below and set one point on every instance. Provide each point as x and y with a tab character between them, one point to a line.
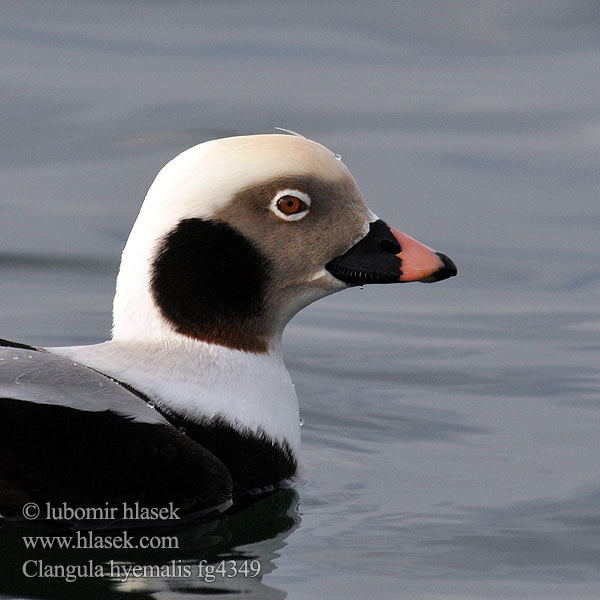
190	402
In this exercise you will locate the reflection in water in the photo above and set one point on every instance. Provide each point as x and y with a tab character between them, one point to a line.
253	533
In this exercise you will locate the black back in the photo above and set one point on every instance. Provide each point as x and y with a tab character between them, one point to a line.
70	434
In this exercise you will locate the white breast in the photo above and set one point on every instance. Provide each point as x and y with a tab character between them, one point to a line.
201	381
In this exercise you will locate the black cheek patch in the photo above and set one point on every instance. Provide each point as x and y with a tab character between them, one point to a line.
208	280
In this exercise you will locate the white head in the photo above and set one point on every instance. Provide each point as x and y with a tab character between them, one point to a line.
214	210
238	234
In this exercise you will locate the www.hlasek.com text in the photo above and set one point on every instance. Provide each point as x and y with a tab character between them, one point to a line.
90	540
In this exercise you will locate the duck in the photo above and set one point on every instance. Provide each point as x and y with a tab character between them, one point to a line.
190	403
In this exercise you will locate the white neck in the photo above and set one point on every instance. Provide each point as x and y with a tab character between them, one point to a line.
200	381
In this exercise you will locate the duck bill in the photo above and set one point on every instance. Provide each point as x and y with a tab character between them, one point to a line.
386	255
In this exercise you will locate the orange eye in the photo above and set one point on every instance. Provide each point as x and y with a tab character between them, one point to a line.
291	205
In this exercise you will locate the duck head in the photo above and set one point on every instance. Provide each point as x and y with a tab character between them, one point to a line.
237	235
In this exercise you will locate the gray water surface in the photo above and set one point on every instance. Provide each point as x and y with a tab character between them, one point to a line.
451	431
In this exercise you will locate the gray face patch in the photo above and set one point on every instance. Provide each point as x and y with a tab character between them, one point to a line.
297	250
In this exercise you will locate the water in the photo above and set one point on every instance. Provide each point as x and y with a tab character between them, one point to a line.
450	445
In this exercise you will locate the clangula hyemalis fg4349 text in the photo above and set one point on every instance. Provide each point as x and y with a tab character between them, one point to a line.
190	402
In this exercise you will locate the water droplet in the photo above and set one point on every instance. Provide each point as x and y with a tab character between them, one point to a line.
15	358
182	429
29	356
150	404
301	421
362	287
338	156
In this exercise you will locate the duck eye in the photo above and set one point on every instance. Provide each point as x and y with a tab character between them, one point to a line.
291	205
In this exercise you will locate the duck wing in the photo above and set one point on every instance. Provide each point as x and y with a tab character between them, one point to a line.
69	434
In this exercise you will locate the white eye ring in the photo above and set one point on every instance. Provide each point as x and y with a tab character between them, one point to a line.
296	194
